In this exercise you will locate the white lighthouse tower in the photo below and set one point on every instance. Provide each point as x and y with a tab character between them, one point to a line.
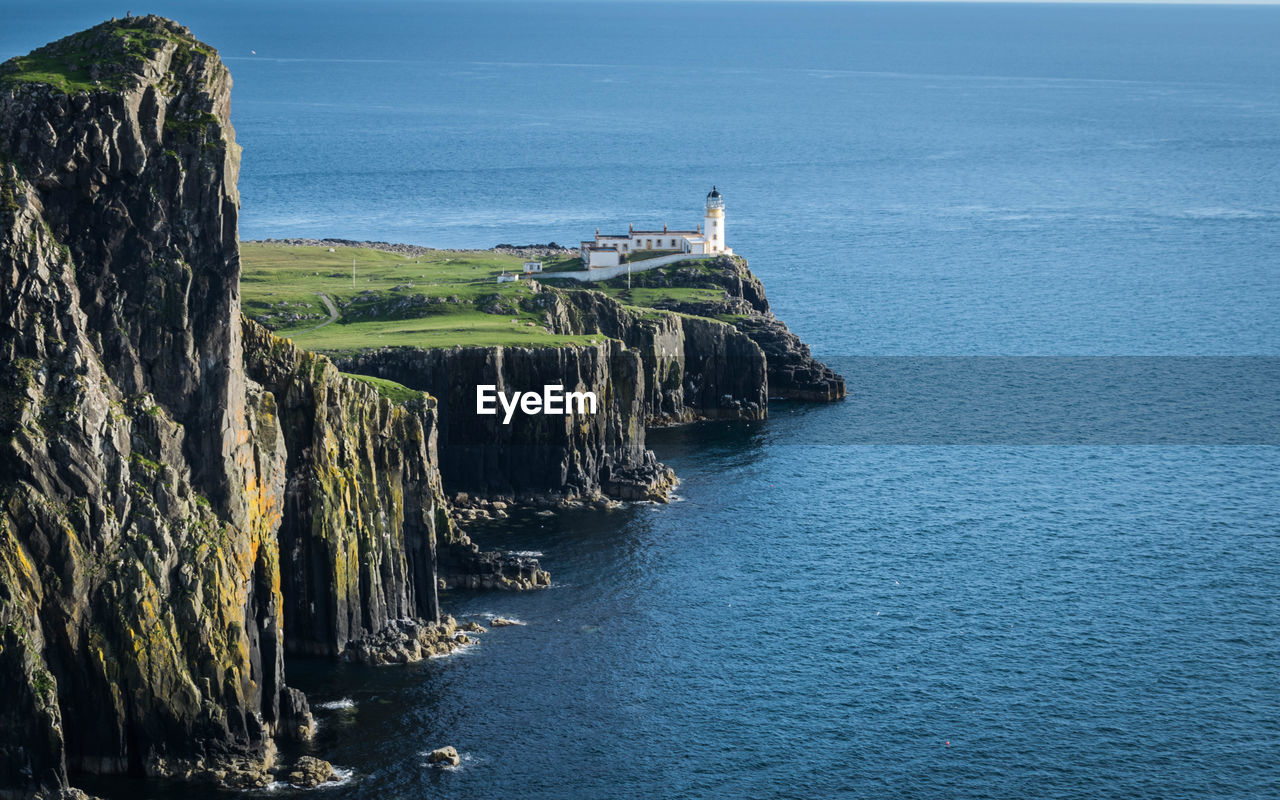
714	223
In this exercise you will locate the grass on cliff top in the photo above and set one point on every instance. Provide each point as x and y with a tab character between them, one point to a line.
65	64
648	292
474	329
652	296
432	300
658	296
395	392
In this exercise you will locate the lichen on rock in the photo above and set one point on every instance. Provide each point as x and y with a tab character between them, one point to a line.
142	474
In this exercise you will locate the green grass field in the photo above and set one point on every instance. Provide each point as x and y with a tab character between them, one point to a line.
438	299
395	392
433	300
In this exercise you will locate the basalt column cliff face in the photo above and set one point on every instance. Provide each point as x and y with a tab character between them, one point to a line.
581	456
656	367
148	478
142	474
362	507
793	372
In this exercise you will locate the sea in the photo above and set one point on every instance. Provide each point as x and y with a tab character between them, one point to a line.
826	612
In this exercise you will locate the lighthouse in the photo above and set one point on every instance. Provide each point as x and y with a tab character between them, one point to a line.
638	246
714	222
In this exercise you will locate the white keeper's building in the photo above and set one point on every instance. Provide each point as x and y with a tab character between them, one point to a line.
610	250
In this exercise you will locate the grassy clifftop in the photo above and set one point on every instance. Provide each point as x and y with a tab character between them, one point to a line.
106	56
436	298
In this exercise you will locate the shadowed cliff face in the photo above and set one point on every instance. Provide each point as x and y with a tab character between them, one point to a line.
579	455
168	524
793	372
362	504
142	475
659	367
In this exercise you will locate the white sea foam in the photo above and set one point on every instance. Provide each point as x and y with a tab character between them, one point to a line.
343	774
512	620
460	650
1219	213
338	705
527	553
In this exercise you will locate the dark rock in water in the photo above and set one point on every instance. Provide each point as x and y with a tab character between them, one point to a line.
444	756
71	793
309	772
503	622
294	707
463	565
407	641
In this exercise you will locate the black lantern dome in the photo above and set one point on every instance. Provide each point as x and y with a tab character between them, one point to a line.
714	200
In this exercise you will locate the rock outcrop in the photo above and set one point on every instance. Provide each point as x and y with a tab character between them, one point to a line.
183	496
446	756
309	772
657	367
794	374
581	456
362	503
143	474
693	367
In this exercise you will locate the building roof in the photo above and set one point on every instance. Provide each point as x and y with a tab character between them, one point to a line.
648	233
714	192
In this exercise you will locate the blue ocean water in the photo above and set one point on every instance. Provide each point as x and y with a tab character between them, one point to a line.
908	179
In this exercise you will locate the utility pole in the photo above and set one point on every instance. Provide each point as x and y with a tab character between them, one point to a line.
353	272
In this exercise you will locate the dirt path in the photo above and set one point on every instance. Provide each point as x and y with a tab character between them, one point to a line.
333	315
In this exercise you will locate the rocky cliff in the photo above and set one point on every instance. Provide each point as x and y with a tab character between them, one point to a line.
654	368
182	499
143	474
793	372
580	456
684	361
361	502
